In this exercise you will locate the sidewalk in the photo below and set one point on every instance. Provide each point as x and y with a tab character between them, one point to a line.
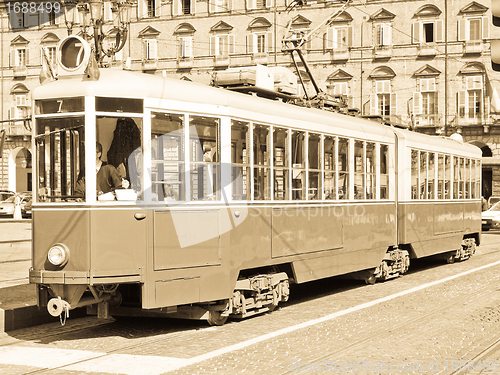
18	305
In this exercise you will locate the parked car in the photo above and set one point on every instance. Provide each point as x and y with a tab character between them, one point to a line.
491	218
7	207
4	194
492	201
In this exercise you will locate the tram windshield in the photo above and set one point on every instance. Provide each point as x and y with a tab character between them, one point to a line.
60	154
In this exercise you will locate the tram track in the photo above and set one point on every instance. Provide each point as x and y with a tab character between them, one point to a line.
474	296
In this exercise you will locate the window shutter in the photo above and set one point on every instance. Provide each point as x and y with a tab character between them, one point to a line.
461	30
192	9
212	6
415	32
213	46
229	5
486	27
474	83
251	4
417	103
335	37
187	43
438	30
27	57
231	44
330	41
349	36
270	42
250	43
176	7
427	84
462	102
373	104
269	3
387	34
394	104
378	34
12	112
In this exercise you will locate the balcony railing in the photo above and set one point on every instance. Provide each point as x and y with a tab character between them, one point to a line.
185	63
382	52
472	46
428	120
222	60
427	49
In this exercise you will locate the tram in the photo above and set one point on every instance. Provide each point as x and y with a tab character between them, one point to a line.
230	197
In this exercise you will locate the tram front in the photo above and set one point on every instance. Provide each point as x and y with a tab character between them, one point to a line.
87	158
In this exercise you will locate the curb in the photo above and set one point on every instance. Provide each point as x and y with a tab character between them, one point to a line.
30	316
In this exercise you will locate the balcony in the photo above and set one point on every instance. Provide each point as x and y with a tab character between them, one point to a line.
20	71
185	63
428	120
382	52
426	50
222	60
472	47
340	55
260	58
149	64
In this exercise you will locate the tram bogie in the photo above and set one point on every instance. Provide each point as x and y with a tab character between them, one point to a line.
222	200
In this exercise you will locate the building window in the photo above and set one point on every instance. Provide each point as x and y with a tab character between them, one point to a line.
473	29
221	45
259	4
150	49
19	57
260	42
186	46
338	38
218	6
425	102
151	4
430	31
470	100
383	102
383	33
181	7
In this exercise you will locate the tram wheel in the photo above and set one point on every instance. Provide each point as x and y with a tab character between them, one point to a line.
370	280
451	258
216	319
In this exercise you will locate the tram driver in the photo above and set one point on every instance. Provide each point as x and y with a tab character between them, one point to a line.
107	177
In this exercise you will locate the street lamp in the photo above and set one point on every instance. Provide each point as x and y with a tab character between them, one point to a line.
92	16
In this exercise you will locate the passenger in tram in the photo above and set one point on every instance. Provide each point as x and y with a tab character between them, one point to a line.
107	177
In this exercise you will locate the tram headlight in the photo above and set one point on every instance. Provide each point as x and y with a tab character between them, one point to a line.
58	254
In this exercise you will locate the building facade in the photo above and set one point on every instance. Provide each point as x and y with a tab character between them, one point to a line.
421	64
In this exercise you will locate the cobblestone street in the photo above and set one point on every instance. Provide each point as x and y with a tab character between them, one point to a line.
439	319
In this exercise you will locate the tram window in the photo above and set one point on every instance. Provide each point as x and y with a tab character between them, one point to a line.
330	163
431	176
447	177
456	177
63	105
298	165
119	105
281	165
204	135
467	179
60	154
461	194
359	170
167	157
370	171
262	170
415	170
423	175
343	166
121	141
478	179
314	156
240	159
440	167
384	172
